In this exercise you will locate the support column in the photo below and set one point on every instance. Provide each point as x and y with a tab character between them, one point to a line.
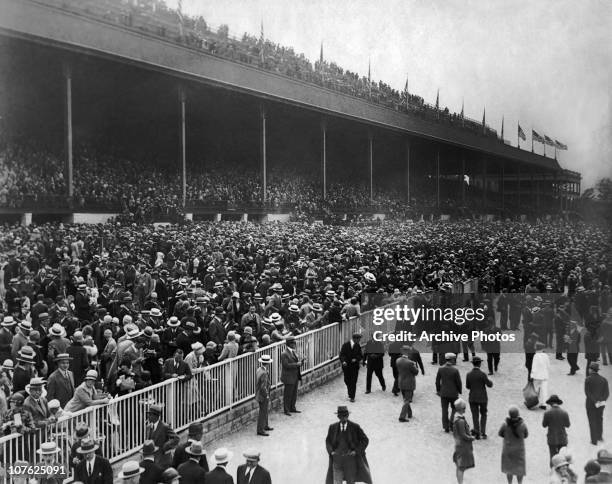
408	171
502	186
324	156
463	179
68	132
438	178
484	182
264	162
371	156
182	101
518	184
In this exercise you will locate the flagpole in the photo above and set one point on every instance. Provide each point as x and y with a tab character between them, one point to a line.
518	138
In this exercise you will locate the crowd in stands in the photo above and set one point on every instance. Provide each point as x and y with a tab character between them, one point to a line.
120	307
154	17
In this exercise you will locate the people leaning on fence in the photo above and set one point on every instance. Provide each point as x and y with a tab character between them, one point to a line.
86	395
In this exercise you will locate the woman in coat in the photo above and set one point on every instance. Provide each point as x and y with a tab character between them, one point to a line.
514	432
463	457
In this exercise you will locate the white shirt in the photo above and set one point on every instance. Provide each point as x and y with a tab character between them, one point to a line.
540	366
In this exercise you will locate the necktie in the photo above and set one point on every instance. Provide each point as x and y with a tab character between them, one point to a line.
249	474
90	468
343	427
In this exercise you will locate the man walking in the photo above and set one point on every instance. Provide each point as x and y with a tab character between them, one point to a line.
373	358
251	472
350	357
477	382
597	392
290	375
262	394
540	373
448	388
346	444
406	382
556	420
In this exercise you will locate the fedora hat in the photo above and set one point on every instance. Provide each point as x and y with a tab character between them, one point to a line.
266	359
222	456
87	446
149	448
130	469
48	448
342	410
196	448
195	429
34	383
155	408
170	474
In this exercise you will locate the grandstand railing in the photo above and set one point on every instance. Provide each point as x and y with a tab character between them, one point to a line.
120	426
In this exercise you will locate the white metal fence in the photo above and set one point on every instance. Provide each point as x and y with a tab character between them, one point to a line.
212	390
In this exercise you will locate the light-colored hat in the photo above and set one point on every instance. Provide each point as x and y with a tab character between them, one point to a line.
130	469
156	313
57	330
48	448
222	456
251	454
266	359
197	346
196	448
91	375
8	321
173	322
8	365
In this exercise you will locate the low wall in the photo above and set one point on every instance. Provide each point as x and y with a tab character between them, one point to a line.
91	218
277	217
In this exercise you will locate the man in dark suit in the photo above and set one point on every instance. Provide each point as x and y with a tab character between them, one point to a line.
262	394
161	434
406	382
219	475
346	444
556	420
152	472
477	382
35	403
448	388
350	357
251	472
191	471
374	359
175	367
60	385
195	432
597	392
290	375
92	469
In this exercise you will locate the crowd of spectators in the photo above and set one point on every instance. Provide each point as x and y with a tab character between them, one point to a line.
121	307
155	18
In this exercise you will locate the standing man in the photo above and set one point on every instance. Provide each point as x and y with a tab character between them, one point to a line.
477	382
290	375
191	471
92	468
251	472
597	392
350	357
346	444
262	394
406	382
219	474
61	382
556	420
162	435
448	388
373	357
540	373
195	432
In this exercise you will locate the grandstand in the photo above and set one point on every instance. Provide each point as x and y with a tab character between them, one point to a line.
96	94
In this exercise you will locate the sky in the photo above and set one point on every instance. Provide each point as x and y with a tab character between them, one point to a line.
546	64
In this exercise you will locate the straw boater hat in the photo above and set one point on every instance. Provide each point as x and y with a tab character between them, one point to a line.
35	383
156	313
8	365
130	469
62	357
251	454
25	326
57	330
26	355
265	359
8	321
174	322
48	448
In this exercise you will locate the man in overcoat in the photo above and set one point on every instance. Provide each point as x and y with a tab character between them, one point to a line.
346	444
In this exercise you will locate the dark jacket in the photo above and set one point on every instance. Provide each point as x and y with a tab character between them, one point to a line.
596	388
102	472
448	382
260	476
406	372
60	387
358	442
181	456
191	473
218	476
556	420
164	437
476	381
152	472
348	354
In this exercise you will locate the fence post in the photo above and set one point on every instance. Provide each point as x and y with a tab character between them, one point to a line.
170	399
229	383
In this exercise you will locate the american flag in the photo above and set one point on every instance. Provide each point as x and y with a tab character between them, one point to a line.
521	133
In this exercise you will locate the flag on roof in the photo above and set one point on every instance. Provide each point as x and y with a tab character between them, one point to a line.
560	146
536	137
548	141
521	133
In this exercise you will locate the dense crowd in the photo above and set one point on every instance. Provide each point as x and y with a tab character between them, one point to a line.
92	312
154	17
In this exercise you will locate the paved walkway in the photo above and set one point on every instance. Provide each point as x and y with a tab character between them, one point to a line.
418	451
